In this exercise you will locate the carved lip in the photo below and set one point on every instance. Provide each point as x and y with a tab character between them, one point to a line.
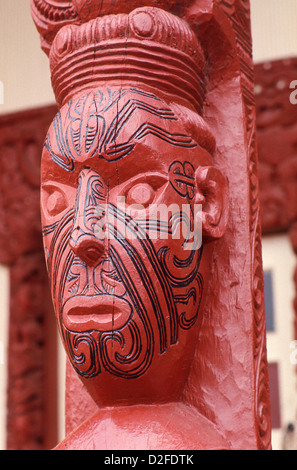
96	312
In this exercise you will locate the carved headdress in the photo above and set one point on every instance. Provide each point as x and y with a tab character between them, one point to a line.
51	15
148	45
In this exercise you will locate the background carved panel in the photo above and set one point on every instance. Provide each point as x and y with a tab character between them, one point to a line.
31	410
277	147
277	144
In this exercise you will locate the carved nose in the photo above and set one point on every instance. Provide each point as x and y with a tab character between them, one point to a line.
87	247
87	239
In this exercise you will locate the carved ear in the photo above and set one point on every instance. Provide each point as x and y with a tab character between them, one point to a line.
212	193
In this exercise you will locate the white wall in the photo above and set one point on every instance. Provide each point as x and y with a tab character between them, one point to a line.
274	29
278	257
24	68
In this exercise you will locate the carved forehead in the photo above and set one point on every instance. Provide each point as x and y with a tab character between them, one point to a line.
112	124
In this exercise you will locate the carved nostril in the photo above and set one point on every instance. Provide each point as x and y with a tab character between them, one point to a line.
88	249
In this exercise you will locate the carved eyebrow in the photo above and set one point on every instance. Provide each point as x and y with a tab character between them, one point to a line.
179	140
62	159
92	135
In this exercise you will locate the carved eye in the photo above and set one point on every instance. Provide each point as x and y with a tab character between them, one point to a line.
54	200
142	194
136	195
56	203
143	189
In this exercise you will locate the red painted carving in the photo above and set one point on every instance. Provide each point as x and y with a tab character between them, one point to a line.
138	129
30	412
238	11
51	15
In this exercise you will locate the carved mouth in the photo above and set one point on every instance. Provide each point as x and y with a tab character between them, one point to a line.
96	312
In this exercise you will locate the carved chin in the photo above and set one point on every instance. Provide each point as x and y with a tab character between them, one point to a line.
126	352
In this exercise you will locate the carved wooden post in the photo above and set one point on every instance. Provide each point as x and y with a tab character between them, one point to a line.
156	111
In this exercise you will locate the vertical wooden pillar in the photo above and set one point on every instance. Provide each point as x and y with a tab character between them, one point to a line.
228	381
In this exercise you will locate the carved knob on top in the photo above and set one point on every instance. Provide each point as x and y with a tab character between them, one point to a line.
51	15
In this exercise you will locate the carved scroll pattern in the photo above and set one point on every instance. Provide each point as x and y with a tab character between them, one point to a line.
21	139
239	13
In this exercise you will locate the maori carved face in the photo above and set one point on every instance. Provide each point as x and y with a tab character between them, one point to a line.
123	185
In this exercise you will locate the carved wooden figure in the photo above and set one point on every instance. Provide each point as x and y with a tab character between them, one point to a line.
132	201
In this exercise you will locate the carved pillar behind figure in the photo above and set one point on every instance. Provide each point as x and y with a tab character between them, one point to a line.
194	93
31	393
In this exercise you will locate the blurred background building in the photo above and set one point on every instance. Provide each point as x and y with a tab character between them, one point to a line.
24	73
275	52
